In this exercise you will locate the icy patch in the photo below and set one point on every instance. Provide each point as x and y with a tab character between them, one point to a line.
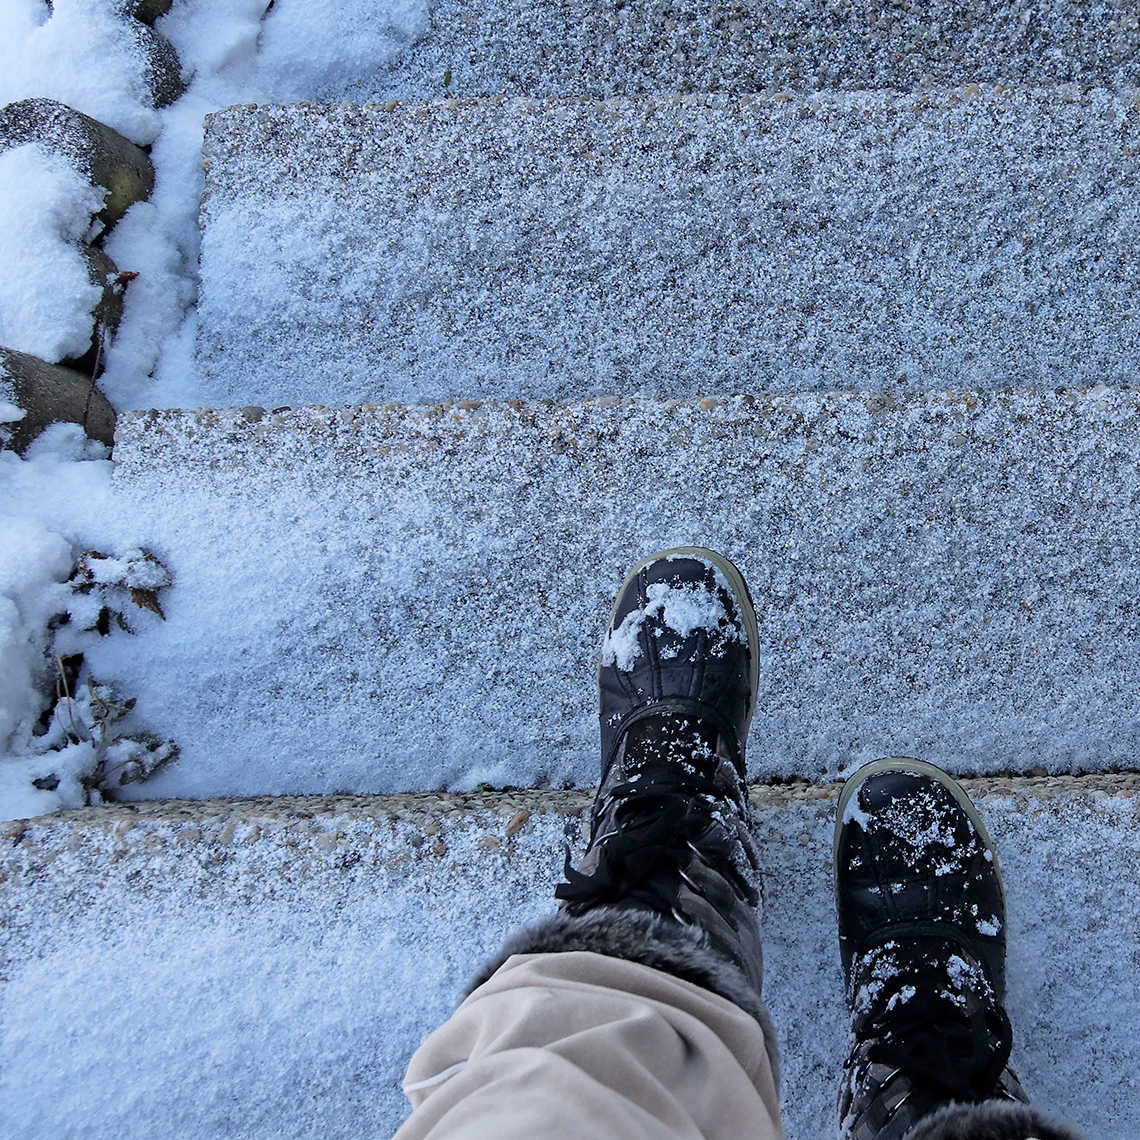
46	293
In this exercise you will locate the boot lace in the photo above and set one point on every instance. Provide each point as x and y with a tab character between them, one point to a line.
930	1013
659	825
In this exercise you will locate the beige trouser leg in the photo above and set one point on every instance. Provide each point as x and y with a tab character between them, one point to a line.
577	1045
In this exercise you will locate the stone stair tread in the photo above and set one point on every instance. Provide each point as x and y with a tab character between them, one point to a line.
285	955
400	598
676	246
564	47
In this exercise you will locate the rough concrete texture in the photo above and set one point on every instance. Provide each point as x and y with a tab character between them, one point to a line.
48	394
266	968
406	597
977	237
97	152
622	47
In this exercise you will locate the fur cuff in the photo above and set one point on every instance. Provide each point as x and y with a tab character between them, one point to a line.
652	940
992	1120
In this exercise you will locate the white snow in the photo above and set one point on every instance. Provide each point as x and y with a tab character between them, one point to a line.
406	631
46	293
190	981
853	813
855	240
682	610
901	997
252	972
55	504
81	53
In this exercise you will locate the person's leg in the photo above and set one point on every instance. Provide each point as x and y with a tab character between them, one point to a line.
636	1010
922	937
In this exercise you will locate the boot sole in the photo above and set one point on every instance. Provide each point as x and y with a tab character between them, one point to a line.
921	768
740	593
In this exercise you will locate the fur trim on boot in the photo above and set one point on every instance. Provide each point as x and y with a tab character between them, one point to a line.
642	936
991	1120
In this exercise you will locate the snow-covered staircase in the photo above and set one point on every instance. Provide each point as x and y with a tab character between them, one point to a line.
283	956
625	47
848	291
677	245
951	575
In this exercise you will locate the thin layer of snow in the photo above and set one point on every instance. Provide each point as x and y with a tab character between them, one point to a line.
579	48
46	292
358	604
259	974
666	246
243	51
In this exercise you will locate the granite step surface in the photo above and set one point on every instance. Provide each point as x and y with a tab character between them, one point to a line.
266	967
409	597
568	47
982	236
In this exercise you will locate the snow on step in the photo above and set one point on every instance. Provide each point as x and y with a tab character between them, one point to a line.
265	968
403	598
574	47
670	246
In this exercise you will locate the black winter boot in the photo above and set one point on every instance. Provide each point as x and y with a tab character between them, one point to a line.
922	938
665	878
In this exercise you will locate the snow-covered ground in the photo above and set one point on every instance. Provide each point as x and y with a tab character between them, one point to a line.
81	53
196	970
58	501
258	970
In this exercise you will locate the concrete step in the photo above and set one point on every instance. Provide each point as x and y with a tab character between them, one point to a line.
569	47
265	968
559	249
401	598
